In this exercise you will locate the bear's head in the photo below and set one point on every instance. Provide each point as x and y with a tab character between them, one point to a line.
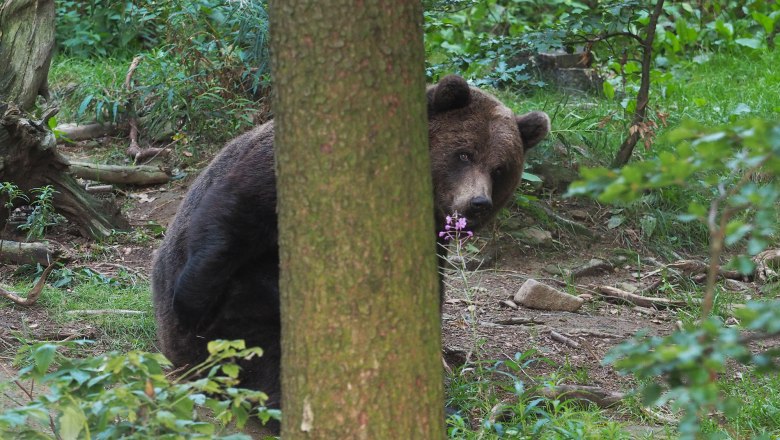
477	149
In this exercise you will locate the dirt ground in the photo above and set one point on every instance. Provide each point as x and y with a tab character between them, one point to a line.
480	324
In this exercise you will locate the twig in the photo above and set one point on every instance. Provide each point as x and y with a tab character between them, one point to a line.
105	312
644	301
555	336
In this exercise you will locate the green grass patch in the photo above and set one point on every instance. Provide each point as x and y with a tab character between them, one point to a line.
505	405
88	89
81	289
759	413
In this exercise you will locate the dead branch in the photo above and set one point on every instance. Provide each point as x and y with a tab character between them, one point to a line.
67	133
134	150
614	293
598	396
105	312
26	253
33	294
519	321
129	175
555	336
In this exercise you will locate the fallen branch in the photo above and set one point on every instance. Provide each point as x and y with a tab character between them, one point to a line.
26	253
644	301
105	312
33	294
695	267
129	175
598	396
134	150
68	133
520	321
555	336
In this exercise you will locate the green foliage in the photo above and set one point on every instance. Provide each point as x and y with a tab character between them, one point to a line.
736	167
509	407
129	395
42	215
730	165
202	66
102	28
690	363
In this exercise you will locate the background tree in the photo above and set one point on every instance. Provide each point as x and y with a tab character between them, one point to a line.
360	311
28	155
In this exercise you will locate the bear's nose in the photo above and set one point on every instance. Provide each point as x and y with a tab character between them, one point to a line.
481	203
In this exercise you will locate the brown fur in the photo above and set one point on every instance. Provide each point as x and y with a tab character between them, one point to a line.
216	273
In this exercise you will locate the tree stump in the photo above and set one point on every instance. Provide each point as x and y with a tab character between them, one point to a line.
29	159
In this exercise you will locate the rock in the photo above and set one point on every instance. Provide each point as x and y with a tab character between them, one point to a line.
554	269
535	236
508	303
535	295
579	214
593	267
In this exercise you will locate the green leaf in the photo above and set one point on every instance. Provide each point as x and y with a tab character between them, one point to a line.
231	370
84	105
615	221
531	177
609	90
71	422
43	357
753	43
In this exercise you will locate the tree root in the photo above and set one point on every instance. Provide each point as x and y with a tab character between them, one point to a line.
33	294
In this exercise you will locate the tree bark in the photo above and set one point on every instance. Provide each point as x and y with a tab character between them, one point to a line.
128	175
29	159
26	46
359	283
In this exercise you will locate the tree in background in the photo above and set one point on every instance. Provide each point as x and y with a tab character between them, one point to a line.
361	332
28	154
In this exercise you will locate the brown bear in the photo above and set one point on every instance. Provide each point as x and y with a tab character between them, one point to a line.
216	273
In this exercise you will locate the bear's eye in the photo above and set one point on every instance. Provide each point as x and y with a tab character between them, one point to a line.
464	157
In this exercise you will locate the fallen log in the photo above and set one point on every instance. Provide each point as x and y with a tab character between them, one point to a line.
69	133
613	293
33	294
128	175
27	253
598	396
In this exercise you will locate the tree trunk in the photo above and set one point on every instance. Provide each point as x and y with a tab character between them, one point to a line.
359	284
643	96
29	159
26	46
28	155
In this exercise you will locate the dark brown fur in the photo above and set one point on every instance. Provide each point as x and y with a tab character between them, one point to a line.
216	273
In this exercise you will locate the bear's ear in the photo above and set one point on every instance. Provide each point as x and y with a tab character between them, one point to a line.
450	93
533	126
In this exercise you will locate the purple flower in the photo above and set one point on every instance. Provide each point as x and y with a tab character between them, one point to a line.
455	228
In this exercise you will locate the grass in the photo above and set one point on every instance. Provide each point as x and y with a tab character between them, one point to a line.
83	289
759	411
504	401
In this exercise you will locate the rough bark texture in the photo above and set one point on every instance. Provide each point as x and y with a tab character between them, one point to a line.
29	159
360	316
26	46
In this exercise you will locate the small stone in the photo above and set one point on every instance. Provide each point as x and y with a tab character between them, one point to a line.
508	303
536	236
630	288
586	296
579	214
535	295
554	269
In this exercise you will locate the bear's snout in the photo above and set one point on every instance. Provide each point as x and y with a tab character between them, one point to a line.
480	204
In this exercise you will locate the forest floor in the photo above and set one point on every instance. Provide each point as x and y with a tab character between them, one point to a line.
478	323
